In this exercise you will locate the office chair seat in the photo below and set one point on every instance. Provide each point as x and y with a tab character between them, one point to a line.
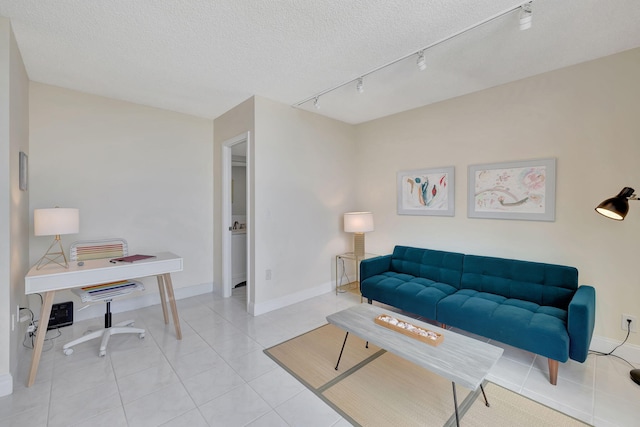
98	249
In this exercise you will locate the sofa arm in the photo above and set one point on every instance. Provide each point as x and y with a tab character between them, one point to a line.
580	322
372	266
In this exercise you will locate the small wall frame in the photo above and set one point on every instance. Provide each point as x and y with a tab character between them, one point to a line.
426	192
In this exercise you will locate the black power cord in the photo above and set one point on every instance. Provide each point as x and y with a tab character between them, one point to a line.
32	335
599	353
33	329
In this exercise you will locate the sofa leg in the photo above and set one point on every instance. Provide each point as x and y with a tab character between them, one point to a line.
553	371
369	301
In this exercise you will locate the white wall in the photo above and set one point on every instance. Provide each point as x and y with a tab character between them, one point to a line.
136	172
302	176
304	182
235	122
14	262
585	116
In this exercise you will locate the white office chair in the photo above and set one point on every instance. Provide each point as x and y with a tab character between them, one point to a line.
98	249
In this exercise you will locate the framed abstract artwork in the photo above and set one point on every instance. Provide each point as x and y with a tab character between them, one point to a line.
426	192
514	190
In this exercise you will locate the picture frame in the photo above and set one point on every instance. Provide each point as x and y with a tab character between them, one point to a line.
426	191
521	190
23	171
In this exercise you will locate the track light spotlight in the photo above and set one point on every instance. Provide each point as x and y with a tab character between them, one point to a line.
360	85
316	102
421	62
526	16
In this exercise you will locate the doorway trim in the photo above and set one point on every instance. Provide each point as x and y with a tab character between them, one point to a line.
225	224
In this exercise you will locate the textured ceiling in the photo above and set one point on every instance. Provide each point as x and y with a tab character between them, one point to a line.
203	57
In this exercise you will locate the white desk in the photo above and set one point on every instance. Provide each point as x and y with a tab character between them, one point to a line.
52	278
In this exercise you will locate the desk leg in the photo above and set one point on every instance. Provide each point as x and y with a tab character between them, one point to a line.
45	312
163	299
172	304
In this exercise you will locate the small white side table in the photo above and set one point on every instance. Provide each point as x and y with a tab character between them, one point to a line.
350	256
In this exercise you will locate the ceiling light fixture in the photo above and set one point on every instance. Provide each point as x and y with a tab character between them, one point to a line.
360	85
421	61
526	16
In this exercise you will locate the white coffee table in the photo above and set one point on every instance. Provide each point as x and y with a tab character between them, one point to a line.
458	358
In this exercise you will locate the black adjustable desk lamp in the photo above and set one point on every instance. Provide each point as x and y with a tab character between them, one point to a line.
617	208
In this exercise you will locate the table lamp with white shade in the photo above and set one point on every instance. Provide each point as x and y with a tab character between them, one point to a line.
54	222
358	223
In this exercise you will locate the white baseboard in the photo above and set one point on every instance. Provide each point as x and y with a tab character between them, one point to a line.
6	385
145	299
274	304
629	352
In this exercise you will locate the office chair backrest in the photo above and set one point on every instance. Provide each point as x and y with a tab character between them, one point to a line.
96	249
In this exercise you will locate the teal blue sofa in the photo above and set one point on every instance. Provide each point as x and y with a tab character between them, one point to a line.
534	306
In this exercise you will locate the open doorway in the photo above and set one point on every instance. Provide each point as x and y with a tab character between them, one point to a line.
236	223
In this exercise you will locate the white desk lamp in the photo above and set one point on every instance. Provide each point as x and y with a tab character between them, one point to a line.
358	223
54	222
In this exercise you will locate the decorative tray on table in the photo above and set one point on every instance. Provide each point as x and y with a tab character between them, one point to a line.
406	328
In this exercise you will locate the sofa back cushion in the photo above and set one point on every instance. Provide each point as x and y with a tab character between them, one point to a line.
543	284
439	266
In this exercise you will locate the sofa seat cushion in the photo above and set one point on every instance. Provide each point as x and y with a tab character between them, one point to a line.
407	292
524	324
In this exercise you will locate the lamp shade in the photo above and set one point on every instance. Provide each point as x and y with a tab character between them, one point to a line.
616	207
358	222
56	221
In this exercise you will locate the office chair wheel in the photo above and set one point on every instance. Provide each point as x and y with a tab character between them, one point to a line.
141	336
67	351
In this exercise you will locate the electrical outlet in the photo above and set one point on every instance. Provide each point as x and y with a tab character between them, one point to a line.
624	324
267	274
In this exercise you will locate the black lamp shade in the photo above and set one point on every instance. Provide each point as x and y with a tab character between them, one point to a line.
616	207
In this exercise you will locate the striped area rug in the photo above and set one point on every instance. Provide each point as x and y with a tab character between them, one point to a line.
375	388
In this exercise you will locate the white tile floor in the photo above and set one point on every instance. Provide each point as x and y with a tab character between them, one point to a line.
218	374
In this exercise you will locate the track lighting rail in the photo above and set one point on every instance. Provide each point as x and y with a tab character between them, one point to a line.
420	52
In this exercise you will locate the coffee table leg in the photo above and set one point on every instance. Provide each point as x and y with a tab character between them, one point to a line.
455	404
342	349
486	402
